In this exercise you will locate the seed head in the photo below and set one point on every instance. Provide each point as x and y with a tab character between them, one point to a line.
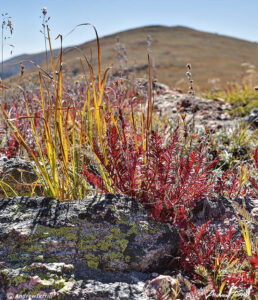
44	11
21	68
183	115
10	25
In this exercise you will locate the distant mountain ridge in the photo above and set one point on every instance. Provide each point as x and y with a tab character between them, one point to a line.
215	59
12	65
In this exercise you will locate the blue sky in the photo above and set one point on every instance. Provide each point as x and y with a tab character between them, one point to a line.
237	18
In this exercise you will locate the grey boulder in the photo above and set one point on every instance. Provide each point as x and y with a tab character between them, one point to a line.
111	235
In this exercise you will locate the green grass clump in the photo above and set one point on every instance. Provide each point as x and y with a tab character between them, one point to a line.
242	97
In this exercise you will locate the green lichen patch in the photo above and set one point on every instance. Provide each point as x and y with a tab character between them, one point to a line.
20	279
123	244
92	261
115	255
68	232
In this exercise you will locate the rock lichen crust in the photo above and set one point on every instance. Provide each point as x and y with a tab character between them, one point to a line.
59	247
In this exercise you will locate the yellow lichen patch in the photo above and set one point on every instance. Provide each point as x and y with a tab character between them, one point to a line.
83	245
127	258
123	244
67	232
92	261
115	231
114	255
104	245
133	229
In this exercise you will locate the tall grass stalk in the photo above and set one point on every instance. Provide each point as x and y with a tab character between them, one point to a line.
5	25
60	153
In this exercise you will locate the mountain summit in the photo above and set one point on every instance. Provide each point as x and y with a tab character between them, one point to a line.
215	59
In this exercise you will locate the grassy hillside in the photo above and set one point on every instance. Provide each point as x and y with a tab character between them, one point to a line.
215	59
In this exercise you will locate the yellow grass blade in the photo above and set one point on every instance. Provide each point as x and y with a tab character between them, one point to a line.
222	287
245	235
6	184
34	187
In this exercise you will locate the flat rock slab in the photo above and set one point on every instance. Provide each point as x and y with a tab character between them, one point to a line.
59	281
108	233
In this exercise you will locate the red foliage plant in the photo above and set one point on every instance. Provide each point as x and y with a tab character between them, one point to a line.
213	251
165	177
201	247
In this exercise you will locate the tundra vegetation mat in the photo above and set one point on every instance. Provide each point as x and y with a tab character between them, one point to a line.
121	188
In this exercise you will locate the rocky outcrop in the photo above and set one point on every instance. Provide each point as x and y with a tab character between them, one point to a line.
208	112
222	213
69	248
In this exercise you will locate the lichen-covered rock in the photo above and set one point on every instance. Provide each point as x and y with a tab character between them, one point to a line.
108	233
208	112
58	281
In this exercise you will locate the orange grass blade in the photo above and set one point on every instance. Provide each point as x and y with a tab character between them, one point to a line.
4	87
